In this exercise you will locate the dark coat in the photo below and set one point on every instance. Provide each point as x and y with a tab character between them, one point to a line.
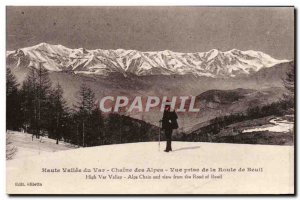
169	120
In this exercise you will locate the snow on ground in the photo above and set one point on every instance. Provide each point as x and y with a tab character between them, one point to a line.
277	163
277	125
28	147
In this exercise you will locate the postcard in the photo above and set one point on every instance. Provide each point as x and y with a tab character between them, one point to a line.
150	100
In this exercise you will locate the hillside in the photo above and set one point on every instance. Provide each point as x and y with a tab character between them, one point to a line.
24	145
216	103
254	127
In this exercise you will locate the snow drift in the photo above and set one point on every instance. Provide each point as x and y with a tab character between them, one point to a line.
271	170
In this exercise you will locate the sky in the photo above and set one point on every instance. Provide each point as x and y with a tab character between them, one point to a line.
180	29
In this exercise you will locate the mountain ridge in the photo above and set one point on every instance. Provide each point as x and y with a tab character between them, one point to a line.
213	63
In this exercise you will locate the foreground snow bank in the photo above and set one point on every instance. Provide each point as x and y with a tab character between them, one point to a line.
64	171
26	146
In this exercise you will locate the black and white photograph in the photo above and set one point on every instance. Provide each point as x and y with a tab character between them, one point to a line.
155	100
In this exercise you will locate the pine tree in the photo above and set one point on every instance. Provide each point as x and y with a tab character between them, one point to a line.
58	113
113	127
95	128
28	106
43	92
13	105
89	118
86	100
36	90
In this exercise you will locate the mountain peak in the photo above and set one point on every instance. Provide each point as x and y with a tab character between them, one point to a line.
43	44
213	63
235	51
214	50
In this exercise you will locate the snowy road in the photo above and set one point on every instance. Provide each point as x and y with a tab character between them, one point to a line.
277	125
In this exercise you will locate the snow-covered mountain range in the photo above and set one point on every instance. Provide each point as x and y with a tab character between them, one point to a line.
213	63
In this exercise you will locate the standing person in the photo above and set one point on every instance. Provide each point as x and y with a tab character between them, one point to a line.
169	122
